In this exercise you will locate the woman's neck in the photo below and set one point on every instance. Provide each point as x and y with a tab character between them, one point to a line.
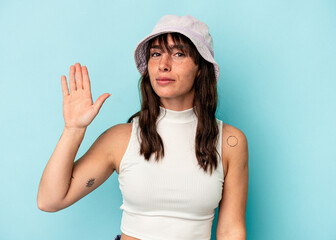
176	105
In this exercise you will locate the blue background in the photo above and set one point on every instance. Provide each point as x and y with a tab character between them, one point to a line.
277	84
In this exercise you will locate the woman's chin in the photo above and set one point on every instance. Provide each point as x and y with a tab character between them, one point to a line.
166	96
165	93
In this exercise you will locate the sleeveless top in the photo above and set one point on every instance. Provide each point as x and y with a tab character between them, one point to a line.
172	199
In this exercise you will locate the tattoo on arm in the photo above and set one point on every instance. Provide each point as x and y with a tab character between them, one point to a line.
232	141
90	182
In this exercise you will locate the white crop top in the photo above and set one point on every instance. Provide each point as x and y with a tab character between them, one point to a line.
172	199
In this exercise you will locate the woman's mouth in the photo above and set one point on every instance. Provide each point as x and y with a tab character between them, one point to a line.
164	81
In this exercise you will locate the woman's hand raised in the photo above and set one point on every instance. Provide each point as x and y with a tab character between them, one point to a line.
78	107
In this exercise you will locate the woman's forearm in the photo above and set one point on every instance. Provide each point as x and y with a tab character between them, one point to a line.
56	176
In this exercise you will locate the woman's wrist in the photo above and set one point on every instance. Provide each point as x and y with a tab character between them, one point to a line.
74	130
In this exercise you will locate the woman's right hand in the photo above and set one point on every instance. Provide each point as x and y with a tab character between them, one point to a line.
78	107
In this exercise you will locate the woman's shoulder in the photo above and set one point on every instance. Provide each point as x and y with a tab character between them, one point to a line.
115	141
115	136
234	140
232	135
119	131
227	128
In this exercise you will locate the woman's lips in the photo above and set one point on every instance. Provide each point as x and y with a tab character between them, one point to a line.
164	81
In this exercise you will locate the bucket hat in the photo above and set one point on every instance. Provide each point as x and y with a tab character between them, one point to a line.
195	30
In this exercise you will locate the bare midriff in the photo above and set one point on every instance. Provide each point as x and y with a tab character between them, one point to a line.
126	237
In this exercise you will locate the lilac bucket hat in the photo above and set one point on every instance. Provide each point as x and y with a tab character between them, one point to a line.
195	30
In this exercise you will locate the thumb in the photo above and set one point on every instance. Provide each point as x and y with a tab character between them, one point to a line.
99	102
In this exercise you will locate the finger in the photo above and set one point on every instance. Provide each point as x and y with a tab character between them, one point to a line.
65	89
86	79
72	82
97	105
79	78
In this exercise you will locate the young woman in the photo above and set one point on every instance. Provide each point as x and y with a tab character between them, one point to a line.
172	156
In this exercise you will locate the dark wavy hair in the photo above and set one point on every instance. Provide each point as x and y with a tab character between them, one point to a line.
205	102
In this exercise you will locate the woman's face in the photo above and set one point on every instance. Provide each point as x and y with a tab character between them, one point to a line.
172	75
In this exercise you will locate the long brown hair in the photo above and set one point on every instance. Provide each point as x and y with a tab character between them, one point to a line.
205	102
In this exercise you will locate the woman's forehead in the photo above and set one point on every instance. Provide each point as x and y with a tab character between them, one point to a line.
171	43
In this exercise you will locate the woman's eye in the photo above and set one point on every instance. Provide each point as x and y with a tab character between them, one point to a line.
153	54
156	54
181	54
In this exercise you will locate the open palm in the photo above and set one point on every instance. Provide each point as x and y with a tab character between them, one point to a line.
78	107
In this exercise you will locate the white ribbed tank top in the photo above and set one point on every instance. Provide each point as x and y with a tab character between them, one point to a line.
172	199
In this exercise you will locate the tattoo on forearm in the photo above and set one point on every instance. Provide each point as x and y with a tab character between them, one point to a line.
90	182
232	141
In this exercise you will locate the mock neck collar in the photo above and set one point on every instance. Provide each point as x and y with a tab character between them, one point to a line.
184	116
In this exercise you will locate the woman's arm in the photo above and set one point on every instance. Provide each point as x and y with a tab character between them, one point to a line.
88	172
78	112
232	208
55	180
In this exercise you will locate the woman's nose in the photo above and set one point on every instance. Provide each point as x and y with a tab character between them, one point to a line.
165	63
